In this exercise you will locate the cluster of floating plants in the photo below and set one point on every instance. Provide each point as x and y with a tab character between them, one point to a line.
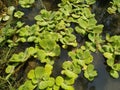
56	30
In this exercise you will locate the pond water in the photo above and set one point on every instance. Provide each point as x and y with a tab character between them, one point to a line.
102	82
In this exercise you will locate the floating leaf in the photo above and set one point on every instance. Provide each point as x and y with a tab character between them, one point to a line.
114	74
90	1
41	54
10	69
31	38
48	69
80	30
43	85
69	81
110	61
39	72
69	74
98	29
27	86
31	74
20	24
18	57
108	55
18	14
90	73
50	47
116	67
26	3
82	23
51	82
67	87
55	87
59	80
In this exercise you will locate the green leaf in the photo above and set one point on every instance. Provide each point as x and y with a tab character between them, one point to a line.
111	10
110	62
27	86
91	36
90	46
26	3
87	12
90	1
69	74
43	85
20	24
108	55
39	72
50	47
31	38
38	18
30	51
60	25
90	73
116	67
67	87
51	82
55	87
98	29
59	80
80	30
48	69
87	57
18	14
83	23
114	74
69	39
69	81
18	57
31	74
67	65
41	54
76	68
10	69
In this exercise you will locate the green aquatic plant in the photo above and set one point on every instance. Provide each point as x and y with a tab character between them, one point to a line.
18	14
26	3
115	7
40	77
82	60
111	51
53	31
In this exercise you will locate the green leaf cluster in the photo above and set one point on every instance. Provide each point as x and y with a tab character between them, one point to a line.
18	14
40	77
82	60
111	51
26	3
115	7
